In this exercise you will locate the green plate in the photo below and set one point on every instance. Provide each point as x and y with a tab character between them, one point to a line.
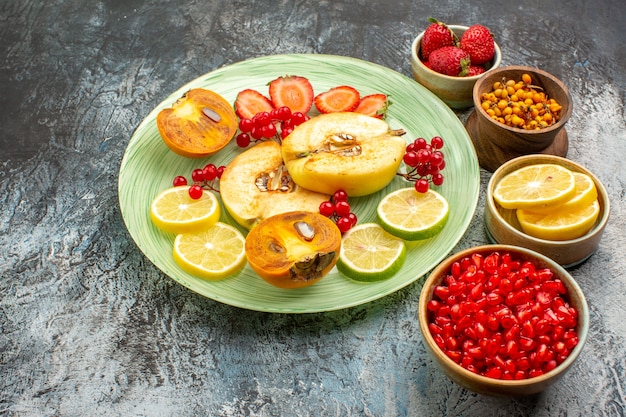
148	167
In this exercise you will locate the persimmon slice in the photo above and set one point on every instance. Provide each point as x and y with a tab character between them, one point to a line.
198	124
293	249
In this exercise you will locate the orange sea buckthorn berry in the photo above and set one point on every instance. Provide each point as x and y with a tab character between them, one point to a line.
526	78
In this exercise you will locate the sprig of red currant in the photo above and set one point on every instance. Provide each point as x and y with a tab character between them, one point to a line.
206	178
338	210
425	162
276	124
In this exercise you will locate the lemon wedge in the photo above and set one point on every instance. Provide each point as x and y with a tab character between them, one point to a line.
586	193
173	210
559	224
535	186
214	253
368	253
411	215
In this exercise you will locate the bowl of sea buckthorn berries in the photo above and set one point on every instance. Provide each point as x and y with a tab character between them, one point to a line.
503	320
519	110
449	59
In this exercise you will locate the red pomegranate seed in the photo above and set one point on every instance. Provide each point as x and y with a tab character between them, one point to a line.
505	285
434	329
433	305
503	318
526	343
455	269
494	372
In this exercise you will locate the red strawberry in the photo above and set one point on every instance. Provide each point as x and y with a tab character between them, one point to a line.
475	70
374	105
342	98
478	42
437	35
449	60
250	102
292	91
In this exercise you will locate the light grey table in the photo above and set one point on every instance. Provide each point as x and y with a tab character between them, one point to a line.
90	327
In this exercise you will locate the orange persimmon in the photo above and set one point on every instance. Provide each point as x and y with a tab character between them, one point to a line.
198	124
293	249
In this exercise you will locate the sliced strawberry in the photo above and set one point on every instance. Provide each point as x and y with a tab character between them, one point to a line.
342	98
374	105
292	91
250	102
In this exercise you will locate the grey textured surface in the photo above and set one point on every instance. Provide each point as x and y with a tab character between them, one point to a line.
90	327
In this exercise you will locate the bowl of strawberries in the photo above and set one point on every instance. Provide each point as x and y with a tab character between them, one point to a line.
449	59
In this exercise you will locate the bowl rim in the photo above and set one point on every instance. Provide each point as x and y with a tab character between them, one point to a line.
480	112
497	57
583	317
602	193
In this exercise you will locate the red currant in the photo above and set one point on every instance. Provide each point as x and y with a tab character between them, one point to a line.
179	180
410	158
437	179
327	208
209	172
342	208
261	119
220	171
243	140
436	142
421	186
197	175
285	132
283	113
420	143
297	118
344	224
245	125
353	219
256	133
268	131
340	195
195	191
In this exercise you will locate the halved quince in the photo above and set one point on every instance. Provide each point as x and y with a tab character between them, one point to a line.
198	124
256	185
293	249
350	151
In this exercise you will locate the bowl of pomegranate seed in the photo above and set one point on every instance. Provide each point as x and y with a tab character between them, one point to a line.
548	204
503	320
518	110
449	59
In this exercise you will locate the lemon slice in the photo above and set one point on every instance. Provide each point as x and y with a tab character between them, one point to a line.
214	253
586	193
560	224
174	211
411	215
538	185
368	253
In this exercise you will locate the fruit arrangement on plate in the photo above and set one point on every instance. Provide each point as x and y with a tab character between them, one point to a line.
149	167
290	187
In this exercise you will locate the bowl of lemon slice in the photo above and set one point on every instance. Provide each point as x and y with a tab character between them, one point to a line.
548	204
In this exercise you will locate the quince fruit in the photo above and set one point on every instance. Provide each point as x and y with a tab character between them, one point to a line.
344	150
256	185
